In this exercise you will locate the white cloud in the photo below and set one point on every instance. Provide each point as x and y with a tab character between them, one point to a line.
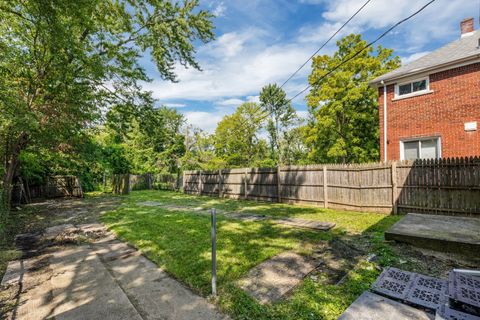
239	63
439	20
413	57
255	99
219	10
205	120
239	73
231	102
319	34
175	105
303	114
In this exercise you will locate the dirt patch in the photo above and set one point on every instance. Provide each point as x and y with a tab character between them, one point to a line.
335	259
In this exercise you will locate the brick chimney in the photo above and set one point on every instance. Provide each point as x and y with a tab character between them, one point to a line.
467	26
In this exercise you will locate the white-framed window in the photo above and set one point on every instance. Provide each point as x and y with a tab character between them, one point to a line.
412	88
424	148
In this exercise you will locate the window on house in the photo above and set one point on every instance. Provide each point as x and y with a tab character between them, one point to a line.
420	149
412	87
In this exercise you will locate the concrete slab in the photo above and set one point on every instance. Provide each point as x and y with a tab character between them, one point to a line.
293	222
271	280
152	291
370	306
83	288
306	224
17	269
107	279
438	232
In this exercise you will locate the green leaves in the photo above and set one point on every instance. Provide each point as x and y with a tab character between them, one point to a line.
236	136
344	106
65	64
281	116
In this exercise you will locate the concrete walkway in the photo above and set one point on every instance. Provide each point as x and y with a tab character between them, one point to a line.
106	279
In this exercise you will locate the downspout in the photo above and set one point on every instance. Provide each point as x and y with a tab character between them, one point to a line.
385	158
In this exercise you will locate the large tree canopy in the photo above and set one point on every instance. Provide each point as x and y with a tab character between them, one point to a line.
343	105
64	63
236	136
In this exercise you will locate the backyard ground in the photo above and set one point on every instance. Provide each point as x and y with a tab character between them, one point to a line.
173	230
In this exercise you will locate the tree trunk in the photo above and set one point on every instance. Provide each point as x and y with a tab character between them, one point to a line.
13	160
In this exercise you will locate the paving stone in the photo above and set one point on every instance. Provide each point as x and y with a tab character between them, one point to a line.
438	232
370	306
271	280
247	217
293	222
307	224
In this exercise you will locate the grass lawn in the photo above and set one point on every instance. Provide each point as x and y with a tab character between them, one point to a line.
178	240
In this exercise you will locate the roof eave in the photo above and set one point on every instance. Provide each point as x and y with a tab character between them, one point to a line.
389	80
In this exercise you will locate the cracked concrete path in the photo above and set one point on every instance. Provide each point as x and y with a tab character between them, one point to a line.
105	279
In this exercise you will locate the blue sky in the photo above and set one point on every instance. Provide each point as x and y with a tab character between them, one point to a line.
264	41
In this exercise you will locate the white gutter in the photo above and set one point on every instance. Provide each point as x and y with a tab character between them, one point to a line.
384	121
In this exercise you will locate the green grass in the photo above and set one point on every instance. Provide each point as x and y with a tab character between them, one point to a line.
179	242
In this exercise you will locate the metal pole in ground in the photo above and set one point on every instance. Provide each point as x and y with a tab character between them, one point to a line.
214	252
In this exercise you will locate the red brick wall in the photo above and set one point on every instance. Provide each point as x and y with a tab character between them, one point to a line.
454	101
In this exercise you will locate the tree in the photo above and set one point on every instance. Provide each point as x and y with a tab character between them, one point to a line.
293	146
280	114
151	137
343	105
199	151
63	62
236	136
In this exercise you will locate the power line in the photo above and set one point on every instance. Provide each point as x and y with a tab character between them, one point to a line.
364	48
325	43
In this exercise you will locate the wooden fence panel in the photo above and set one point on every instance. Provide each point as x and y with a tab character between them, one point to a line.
302	184
447	186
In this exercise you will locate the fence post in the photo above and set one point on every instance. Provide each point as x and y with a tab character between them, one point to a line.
325	186
279	185
200	183
394	187
245	182
220	183
183	180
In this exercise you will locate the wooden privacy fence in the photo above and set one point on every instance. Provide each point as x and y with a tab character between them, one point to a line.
124	183
447	186
54	187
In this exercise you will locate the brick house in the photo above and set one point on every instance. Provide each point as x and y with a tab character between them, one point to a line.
430	107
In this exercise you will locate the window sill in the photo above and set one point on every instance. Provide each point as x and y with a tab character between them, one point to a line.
411	95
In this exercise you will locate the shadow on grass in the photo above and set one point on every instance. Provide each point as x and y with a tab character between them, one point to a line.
179	241
352	253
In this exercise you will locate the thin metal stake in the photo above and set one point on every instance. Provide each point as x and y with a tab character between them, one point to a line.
214	252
